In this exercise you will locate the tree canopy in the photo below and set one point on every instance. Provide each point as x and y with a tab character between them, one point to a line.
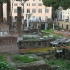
56	3
4	1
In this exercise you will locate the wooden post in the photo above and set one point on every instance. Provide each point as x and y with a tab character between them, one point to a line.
1	11
19	20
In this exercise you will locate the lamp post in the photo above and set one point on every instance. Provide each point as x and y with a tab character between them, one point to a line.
22	3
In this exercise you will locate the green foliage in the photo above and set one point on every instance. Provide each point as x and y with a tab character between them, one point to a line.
65	4
24	59
49	31
4	65
56	3
61	63
59	69
4	1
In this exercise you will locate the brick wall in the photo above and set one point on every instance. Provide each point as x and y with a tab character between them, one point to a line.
8	44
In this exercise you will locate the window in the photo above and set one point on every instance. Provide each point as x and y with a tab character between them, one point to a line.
39	4
33	4
22	10
62	25
40	10
15	4
40	0
33	16
33	10
66	26
15	10
40	18
28	4
46	10
28	10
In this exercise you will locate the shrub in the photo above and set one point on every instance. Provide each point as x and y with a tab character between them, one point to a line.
5	66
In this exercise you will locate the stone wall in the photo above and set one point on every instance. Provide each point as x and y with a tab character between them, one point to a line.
8	44
34	44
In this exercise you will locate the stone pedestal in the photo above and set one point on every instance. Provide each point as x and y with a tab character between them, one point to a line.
46	25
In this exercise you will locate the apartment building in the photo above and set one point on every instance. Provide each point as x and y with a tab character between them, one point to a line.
66	15
35	8
5	11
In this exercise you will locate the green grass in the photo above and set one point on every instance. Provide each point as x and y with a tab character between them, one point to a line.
24	59
2	58
61	63
49	31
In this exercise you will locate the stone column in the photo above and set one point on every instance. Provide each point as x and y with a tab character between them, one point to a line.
37	25
19	20
27	21
1	11
46	26
34	25
9	18
53	26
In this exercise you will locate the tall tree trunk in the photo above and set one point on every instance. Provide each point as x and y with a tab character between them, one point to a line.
19	20
54	17
1	11
9	18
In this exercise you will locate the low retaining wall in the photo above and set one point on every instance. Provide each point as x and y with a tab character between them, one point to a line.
8	44
25	44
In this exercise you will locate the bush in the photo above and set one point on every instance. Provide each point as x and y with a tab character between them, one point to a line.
5	66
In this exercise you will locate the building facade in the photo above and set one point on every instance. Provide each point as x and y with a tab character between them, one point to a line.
35	8
5	11
66	15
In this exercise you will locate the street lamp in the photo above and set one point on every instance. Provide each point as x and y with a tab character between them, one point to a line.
22	4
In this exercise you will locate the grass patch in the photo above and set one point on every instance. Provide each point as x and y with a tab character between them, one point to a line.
2	58
24	59
49	31
61	63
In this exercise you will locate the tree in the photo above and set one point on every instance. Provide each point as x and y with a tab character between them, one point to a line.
56	3
1	11
4	1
